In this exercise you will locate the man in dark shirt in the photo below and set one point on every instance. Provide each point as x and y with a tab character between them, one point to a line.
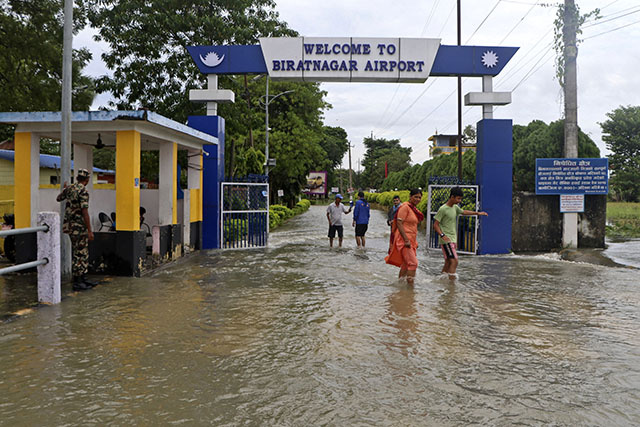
393	209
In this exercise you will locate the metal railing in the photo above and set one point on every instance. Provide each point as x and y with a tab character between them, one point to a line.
48	262
26	265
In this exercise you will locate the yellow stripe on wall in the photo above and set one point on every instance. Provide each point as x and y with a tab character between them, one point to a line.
22	179
193	204
201	189
174	187
127	180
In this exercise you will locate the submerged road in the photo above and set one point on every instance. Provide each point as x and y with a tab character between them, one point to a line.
299	334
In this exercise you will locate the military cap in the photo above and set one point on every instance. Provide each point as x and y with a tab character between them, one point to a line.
83	174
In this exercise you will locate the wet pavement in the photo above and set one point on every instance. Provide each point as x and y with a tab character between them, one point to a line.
300	334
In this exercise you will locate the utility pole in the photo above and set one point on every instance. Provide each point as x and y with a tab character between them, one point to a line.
570	220
65	140
459	101
350	178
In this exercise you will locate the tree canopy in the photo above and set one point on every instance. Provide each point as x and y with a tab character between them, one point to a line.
621	134
147	40
151	68
31	58
381	152
536	140
539	140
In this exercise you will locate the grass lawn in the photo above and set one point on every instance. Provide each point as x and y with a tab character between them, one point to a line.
623	219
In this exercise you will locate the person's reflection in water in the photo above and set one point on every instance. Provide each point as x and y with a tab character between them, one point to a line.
402	315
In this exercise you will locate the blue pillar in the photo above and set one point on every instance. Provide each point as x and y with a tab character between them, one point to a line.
213	175
494	175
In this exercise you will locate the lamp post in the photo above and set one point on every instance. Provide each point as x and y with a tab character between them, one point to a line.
267	100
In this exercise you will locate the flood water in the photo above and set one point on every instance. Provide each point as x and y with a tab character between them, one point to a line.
299	334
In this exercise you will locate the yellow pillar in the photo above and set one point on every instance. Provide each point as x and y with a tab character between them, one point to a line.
26	170
174	187
127	180
200	190
195	207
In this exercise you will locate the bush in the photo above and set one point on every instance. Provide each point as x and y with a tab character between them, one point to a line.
278	214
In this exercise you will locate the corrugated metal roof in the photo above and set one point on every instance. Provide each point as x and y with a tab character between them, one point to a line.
48	161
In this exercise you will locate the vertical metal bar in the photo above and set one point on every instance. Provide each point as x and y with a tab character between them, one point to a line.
222	219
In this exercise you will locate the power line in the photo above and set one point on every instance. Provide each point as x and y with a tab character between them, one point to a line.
424	29
531	72
447	20
519	22
612	19
426	24
612	30
432	111
424	91
410	105
483	21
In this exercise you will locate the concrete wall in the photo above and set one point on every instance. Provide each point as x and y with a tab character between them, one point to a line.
6	172
99	201
537	223
103	201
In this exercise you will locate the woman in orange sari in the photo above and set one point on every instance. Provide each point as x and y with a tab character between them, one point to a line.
404	233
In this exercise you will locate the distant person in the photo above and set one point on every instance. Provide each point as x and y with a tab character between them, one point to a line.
142	212
334	215
404	232
393	209
361	214
446	225
78	226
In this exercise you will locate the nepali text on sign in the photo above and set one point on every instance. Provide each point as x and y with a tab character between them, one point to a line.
572	176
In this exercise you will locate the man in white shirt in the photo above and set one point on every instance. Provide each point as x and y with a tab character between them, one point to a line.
334	215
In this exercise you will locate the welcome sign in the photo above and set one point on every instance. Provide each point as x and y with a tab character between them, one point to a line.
352	59
349	59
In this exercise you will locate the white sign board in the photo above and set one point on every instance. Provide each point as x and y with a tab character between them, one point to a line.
335	190
280	193
571	203
349	59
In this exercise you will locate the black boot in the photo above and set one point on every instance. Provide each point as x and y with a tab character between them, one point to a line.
79	285
88	282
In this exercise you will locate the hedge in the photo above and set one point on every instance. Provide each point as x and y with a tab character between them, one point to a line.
278	214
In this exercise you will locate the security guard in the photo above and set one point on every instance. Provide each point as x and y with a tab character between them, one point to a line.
78	226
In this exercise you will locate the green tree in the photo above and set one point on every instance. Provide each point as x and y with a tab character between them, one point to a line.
539	140
296	135
469	135
31	58
335	143
381	152
621	134
151	67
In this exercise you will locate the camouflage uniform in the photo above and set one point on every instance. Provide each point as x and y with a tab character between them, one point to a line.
77	198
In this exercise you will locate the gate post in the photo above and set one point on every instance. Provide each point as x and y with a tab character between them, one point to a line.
494	176
212	176
49	248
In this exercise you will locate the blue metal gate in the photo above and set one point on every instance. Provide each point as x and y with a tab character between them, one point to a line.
467	225
245	215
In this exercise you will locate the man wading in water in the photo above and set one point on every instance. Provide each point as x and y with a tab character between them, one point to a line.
334	215
446	225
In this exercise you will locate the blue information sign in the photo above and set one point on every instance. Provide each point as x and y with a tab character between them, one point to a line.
572	176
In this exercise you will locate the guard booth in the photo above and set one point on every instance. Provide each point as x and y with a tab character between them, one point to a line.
125	240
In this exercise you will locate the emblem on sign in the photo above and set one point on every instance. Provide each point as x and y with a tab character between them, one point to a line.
212	59
489	59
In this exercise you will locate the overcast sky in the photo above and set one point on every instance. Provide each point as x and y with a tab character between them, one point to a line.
608	64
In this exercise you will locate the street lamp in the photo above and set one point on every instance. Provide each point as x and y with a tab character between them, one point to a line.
267	100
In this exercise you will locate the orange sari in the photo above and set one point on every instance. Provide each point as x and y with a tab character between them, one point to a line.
410	220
